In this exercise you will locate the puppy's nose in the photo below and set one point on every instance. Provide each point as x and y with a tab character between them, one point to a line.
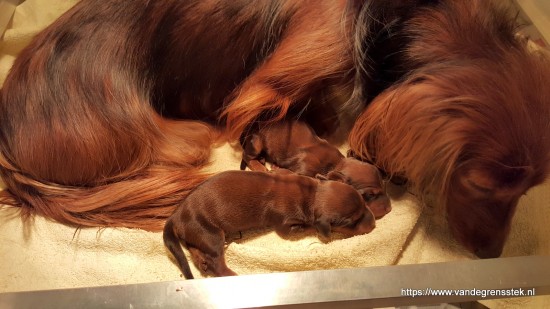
367	224
365	229
386	202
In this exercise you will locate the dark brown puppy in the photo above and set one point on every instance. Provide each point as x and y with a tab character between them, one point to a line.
235	201
295	146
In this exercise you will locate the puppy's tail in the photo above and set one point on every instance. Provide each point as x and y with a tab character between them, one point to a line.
172	242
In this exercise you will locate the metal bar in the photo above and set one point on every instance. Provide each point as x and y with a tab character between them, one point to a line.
348	288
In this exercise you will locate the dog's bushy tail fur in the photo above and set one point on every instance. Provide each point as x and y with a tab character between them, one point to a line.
142	194
172	242
80	140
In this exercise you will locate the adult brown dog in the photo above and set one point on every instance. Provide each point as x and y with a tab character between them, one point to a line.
235	201
91	129
294	146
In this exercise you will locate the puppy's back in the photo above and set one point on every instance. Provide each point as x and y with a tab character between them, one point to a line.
238	200
296	146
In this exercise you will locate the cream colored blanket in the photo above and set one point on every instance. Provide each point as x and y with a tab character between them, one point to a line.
48	255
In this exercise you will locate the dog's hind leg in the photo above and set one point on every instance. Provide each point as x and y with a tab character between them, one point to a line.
221	268
213	264
198	259
207	253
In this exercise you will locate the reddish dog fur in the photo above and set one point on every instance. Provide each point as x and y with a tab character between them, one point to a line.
449	98
235	201
469	126
294	146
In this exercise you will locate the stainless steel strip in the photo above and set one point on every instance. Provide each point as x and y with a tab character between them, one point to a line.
347	288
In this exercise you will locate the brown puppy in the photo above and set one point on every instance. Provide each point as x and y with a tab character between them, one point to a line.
295	146
292	145
367	180
234	201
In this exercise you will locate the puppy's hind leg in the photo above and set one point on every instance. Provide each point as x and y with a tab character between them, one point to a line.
208	255
199	259
220	268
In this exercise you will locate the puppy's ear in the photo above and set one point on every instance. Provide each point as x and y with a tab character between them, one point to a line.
337	176
321	177
323	227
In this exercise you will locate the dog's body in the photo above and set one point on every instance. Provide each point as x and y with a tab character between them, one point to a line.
92	109
236	201
81	106
294	146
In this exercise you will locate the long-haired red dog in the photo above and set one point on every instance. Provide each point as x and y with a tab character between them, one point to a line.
92	130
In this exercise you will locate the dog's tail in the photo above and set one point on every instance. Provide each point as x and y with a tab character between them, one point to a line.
172	242
141	192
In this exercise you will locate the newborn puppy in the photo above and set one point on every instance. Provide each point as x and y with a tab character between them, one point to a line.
292	145
295	146
235	201
366	179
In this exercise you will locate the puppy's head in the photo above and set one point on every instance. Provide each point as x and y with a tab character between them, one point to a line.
339	208
367	180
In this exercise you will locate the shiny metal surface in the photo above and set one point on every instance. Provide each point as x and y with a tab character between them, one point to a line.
346	288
